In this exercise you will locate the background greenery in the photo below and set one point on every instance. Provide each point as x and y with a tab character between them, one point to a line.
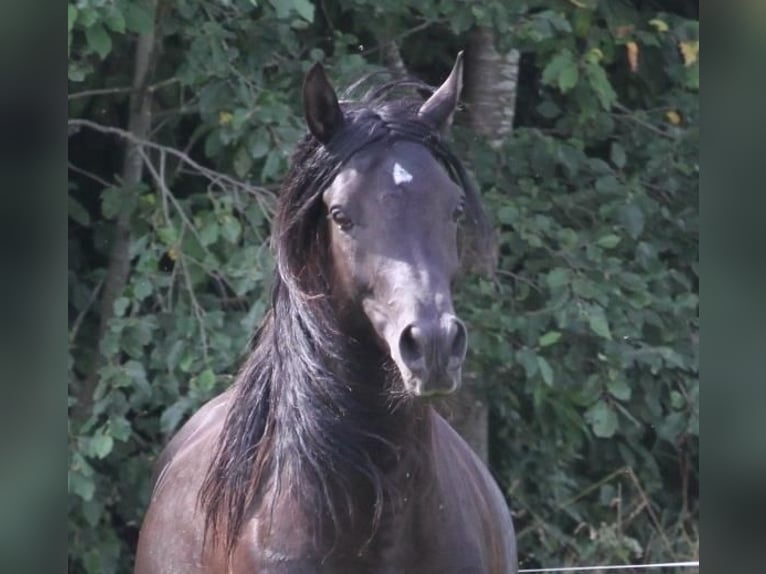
182	118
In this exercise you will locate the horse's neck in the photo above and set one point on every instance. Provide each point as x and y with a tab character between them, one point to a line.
409	483
401	450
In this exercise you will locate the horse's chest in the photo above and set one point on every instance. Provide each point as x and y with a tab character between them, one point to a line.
436	540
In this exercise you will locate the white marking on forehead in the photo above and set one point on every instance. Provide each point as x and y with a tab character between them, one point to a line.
400	174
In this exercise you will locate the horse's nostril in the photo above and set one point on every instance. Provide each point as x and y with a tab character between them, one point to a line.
411	346
435	346
459	340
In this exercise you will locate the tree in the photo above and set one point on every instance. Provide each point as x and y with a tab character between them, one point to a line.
490	91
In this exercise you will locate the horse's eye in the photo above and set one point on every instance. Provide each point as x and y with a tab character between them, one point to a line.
341	219
457	215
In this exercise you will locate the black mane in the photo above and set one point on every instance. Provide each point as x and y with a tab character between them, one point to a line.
305	414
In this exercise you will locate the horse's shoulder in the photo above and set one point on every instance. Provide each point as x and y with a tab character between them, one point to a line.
204	426
463	461
447	437
172	532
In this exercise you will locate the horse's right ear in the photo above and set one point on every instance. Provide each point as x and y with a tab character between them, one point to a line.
320	105
440	107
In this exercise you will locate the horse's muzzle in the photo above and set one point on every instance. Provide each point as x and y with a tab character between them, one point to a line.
431	354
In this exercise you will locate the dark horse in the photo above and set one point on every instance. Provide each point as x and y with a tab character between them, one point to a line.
326	455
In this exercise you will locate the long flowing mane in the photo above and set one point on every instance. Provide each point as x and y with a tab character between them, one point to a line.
309	412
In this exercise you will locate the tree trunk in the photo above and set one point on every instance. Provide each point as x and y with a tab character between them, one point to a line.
490	95
392	58
468	413
139	124
490	88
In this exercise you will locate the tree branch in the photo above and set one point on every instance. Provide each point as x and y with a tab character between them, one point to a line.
414	30
100	92
78	321
88	174
630	115
259	192
121	90
118	270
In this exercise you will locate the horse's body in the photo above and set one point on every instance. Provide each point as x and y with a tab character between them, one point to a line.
325	456
450	518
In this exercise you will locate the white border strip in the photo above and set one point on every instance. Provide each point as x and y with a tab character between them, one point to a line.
618	567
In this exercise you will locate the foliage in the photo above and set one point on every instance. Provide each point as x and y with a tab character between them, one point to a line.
586	338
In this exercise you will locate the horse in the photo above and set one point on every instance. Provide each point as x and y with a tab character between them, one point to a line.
326	455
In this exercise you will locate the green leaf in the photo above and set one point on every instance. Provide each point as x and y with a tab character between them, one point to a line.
603	419
110	202
561	71
632	217
676	400
617	154
135	371
167	235
115	21
282	7
92	510
208	233
258	144
172	415
508	214
231	228
672	426
548	110
138	19
240	117
553	69
692	80
305	9
619	389
549	338
586	289
608	184
213	144
120	306
82	486
598	322
545	370
75	72
608	241
528	360
460	21
285	8
242	162
87	16
115	200
71	16
142	288
205	381
98	40
101	445
120	428
78	213
557	277
568	78
271	167
660	25
600	83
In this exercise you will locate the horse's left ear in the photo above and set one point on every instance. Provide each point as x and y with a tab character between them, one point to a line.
440	107
320	104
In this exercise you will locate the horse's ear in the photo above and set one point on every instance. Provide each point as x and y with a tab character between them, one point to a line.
320	105
440	107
